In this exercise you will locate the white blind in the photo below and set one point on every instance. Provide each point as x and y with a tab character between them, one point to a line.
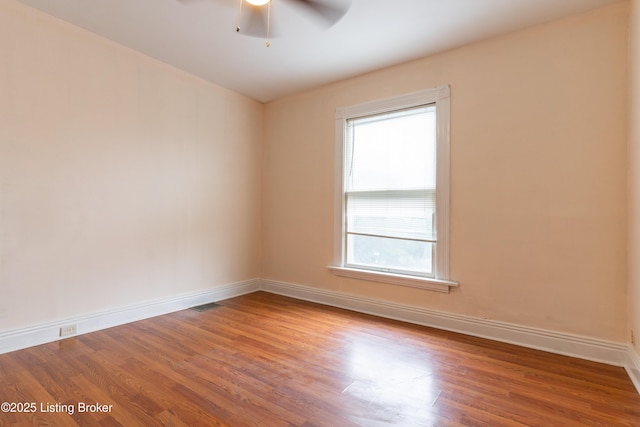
390	175
392	213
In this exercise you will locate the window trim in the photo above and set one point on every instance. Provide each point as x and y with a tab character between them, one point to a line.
441	97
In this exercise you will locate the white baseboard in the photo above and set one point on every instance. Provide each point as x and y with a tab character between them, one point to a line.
632	366
612	353
48	332
608	352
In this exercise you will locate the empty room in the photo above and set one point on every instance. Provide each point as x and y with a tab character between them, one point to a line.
202	222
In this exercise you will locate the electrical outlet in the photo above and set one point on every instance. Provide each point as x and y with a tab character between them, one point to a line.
65	331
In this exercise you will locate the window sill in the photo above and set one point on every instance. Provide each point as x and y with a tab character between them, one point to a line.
395	279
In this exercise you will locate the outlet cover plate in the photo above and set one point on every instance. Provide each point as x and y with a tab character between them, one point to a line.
68	330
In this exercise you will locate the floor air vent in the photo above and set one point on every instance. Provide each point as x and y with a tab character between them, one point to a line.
205	307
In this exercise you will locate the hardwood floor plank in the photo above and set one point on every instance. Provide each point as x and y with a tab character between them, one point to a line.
169	418
267	360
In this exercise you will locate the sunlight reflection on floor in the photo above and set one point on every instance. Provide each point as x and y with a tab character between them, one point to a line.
391	386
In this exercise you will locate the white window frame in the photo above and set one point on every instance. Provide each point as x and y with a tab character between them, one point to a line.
440	96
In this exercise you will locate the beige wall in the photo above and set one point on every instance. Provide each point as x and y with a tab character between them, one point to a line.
634	173
539	131
122	180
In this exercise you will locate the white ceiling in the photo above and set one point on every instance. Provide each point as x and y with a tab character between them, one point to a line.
199	36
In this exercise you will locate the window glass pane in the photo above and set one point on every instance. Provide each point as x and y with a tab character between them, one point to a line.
392	151
390	192
393	254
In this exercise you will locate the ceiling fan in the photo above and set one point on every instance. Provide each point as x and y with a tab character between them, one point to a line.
255	16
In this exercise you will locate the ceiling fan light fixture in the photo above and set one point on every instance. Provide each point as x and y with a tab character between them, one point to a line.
258	2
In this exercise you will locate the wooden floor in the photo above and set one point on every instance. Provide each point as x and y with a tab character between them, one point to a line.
266	360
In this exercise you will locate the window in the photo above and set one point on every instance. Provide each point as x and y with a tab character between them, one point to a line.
392	190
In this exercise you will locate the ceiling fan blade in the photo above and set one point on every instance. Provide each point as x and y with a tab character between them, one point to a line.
326	11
